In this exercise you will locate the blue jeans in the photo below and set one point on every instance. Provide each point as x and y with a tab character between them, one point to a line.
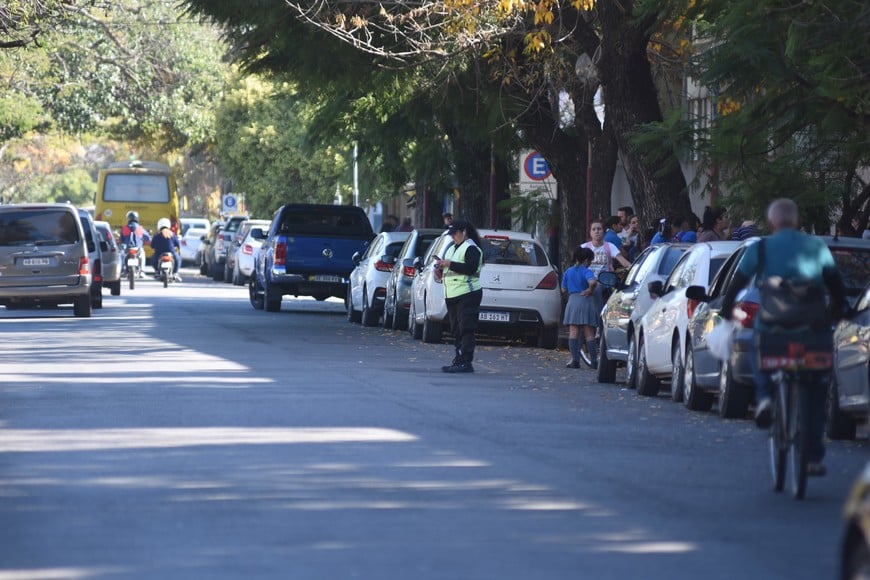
815	384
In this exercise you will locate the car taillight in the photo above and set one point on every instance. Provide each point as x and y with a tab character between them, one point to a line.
280	253
248	249
750	309
84	267
408	271
549	282
382	266
98	271
690	307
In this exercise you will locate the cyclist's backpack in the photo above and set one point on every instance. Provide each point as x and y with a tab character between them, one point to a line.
788	304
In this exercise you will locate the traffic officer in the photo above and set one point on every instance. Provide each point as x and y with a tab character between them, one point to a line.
462	291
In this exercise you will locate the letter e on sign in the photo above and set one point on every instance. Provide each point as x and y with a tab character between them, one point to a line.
536	167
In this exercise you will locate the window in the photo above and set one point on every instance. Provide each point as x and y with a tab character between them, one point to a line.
136	188
503	250
37	227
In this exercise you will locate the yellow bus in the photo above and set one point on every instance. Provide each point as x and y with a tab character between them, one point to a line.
146	187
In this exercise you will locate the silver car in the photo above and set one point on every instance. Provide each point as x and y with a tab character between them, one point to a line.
398	301
111	256
44	257
628	303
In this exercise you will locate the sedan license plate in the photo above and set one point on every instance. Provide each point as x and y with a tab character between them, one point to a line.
494	316
325	278
36	262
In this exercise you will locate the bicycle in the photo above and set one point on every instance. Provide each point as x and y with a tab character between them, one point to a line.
789	438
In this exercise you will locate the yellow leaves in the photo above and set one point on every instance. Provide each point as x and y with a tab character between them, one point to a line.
537	41
725	106
583	4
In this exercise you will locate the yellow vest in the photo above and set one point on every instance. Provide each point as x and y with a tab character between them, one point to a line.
456	284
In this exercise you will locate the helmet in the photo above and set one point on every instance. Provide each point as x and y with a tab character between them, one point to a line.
132	216
163	223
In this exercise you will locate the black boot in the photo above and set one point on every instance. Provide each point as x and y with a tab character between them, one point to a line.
460	365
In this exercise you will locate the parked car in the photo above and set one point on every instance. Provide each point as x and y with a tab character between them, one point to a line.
732	380
661	334
191	242
95	254
855	541
245	255
521	294
849	395
235	245
111	257
398	299
308	251
367	289
215	245
44	257
623	310
193	222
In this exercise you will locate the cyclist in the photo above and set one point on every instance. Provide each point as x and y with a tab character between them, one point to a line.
135	236
166	241
799	257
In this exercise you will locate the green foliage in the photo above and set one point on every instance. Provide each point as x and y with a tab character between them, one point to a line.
19	115
260	144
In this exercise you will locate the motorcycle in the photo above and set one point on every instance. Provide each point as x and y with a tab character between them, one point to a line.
132	264
165	266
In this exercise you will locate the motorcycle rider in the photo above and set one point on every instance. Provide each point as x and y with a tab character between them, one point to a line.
166	241
133	235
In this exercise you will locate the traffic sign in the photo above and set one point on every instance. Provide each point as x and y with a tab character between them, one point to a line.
229	203
536	167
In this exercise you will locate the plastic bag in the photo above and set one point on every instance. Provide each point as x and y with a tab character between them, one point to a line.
720	340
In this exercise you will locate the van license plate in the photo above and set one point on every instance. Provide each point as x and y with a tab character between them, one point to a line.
494	316
36	262
325	278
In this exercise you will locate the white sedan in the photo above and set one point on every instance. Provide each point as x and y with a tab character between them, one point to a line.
521	295
662	335
190	244
245	256
367	291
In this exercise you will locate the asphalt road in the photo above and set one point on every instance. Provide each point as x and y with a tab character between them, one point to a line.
178	433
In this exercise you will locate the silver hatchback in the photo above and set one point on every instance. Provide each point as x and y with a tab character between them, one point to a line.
43	258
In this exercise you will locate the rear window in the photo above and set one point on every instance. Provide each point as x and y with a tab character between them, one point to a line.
40	227
854	267
136	187
325	222
424	242
502	250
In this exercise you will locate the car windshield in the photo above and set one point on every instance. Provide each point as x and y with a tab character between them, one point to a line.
670	259
504	250
43	226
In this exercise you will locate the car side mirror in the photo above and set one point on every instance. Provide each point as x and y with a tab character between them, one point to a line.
104	246
697	293
92	247
656	288
356	257
388	259
258	234
417	263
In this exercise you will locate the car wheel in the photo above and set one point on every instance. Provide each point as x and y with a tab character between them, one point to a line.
838	425
203	269
631	363
352	315
431	330
733	398
237	276
217	272
271	297
82	307
414	329
548	337
389	315
647	384
228	274
694	398
369	316
254	294
606	372
116	288
97	301
677	371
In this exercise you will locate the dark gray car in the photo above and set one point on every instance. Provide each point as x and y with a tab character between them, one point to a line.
44	257
398	299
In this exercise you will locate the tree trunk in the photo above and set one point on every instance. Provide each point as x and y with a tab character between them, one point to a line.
631	100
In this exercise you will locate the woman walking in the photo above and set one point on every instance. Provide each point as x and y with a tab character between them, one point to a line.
579	283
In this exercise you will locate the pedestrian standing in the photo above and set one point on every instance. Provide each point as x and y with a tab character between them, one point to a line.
462	291
714	224
579	283
448	219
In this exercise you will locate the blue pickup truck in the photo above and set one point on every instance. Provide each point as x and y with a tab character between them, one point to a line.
308	251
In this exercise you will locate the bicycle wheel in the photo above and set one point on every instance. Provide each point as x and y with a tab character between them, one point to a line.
778	438
798	433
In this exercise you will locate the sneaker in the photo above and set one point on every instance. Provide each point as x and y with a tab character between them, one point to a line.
816	469
573	365
177	278
461	367
763	416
